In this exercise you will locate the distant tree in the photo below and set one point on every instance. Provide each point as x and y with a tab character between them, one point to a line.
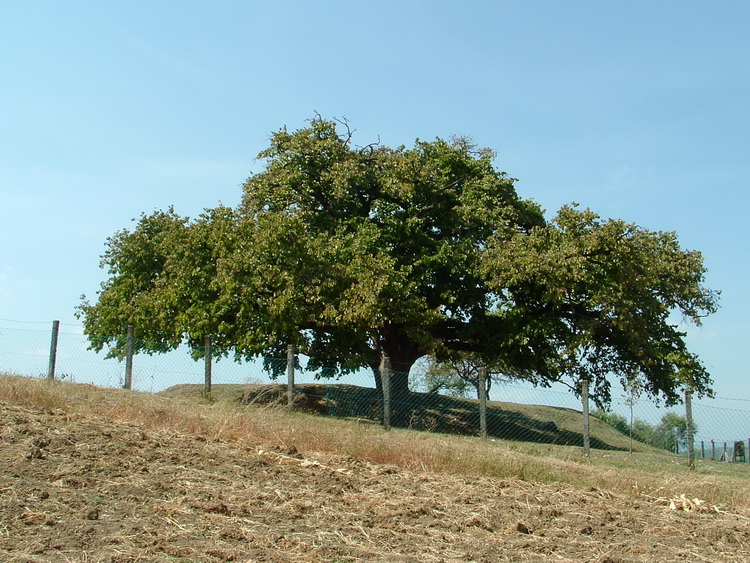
642	431
636	429
458	374
432	376
671	432
616	421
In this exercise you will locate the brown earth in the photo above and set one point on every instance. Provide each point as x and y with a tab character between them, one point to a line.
85	488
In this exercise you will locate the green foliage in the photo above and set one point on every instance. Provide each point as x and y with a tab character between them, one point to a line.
639	430
671	432
603	293
380	246
616	421
136	262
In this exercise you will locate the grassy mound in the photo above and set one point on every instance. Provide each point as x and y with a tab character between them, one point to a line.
429	412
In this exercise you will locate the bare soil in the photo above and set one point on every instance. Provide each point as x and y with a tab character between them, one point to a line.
85	488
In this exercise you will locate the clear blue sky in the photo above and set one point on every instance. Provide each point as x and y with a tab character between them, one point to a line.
638	110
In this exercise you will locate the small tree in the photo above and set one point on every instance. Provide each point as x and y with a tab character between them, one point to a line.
634	389
671	432
459	374
432	376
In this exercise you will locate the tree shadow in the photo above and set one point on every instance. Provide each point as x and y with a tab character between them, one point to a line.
427	412
449	415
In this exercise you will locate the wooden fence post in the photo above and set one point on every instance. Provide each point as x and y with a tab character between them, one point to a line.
483	402
586	421
129	358
689	424
53	350
290	375
385	377
208	361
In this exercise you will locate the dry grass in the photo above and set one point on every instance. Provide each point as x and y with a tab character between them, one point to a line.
644	474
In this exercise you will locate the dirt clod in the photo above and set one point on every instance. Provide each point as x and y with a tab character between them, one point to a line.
522	528
92	514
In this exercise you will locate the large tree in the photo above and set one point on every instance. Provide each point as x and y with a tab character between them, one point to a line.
352	253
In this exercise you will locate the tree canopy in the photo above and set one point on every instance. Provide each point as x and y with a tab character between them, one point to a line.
353	252
605	294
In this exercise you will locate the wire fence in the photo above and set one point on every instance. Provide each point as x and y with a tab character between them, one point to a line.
514	411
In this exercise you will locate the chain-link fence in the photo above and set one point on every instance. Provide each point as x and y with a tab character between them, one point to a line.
514	411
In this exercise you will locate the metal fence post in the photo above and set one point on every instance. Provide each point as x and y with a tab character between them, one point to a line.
129	358
290	374
483	402
207	356
53	349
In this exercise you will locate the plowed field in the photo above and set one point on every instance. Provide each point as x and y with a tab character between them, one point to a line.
85	488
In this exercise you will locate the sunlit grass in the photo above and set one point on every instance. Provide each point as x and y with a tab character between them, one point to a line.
651	474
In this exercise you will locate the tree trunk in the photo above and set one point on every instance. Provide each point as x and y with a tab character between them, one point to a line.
402	405
399	379
391	340
376	376
402	353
